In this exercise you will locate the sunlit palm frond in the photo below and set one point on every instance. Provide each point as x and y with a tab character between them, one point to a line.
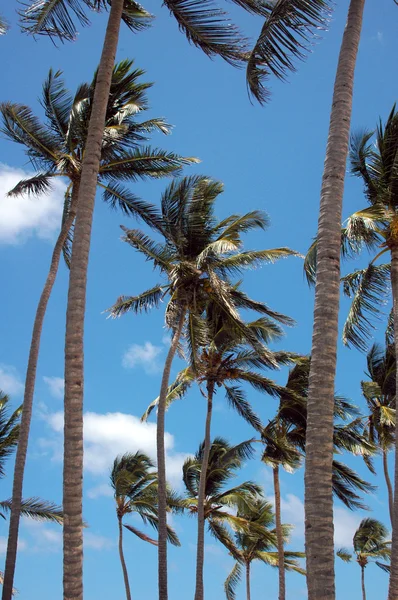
3	25
176	391
232	581
344	554
144	302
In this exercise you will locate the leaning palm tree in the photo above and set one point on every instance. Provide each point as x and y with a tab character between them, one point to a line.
257	542
379	392
134	482
55	148
227	361
196	258
370	544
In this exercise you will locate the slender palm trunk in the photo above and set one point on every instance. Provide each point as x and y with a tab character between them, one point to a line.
74	376
363	583
248	581
22	448
393	587
161	462
279	535
200	548
319	436
122	561
389	485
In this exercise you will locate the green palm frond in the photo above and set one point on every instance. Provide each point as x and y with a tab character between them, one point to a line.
158	254
57	103
172	537
37	509
117	196
232	581
237	400
54	18
208	28
176	391
233	226
253	258
35	186
289	29
369	288
346	482
241	300
144	302
371	537
9	430
344	554
3	25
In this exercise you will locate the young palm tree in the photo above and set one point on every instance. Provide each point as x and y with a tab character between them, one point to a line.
257	542
55	148
196	258
379	393
227	361
373	228
135	486
370	543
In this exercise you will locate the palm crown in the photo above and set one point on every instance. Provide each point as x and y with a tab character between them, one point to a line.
289	27
370	543
257	542
56	147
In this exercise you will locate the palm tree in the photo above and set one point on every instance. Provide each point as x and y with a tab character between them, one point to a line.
55	149
135	486
196	258
371	228
379	393
370	543
285	438
257	542
226	361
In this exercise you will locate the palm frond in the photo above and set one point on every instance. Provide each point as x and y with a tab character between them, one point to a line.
241	300
144	302
209	29
344	554
38	509
346	482
55	18
158	254
3	25
237	400
289	29
35	186
143	536
254	258
117	196
57	103
175	391
232	581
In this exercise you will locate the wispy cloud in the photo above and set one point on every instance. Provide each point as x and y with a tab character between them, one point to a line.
145	356
10	381
56	386
27	216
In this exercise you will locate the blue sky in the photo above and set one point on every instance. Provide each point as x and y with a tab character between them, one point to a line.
269	158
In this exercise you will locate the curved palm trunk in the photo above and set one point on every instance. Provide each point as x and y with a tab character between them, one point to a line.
30	381
122	561
279	535
200	548
161	462
319	436
363	583
248	581
389	486
393	586
74	376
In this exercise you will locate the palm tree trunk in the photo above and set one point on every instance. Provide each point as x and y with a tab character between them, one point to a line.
279	534
319	436
247	581
74	376
30	381
161	462
363	583
389	486
200	548
393	586
122	561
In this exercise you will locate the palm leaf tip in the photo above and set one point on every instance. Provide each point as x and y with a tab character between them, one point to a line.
287	34
54	18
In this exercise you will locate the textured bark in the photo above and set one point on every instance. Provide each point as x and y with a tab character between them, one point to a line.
74	377
363	583
30	381
393	587
161	463
247	581
200	548
122	561
319	437
279	535
389	486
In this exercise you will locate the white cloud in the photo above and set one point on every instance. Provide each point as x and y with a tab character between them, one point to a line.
97	542
103	489
3	545
345	525
24	216
107	435
380	37
144	356
42	537
10	382
56	385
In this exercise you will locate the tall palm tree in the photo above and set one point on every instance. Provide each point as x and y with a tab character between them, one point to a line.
196	258
257	542
370	543
227	361
285	438
374	228
319	438
55	149
379	392
135	487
